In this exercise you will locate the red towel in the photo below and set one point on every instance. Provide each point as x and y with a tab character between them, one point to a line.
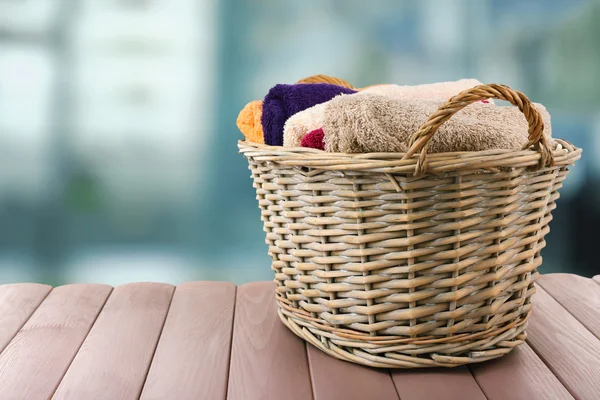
314	139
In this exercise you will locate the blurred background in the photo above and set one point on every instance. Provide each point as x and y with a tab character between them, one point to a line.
118	157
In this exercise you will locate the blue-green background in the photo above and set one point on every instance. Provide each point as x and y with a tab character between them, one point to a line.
118	158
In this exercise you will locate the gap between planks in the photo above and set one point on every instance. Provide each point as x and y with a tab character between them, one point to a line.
83	341
46	344
192	357
583	303
235	294
26	304
579	374
162	329
596	279
115	355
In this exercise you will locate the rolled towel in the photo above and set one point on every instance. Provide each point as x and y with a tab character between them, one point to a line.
373	123
312	118
432	91
314	139
300	124
249	121
283	101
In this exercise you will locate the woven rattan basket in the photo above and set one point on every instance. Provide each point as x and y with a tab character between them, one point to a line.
410	260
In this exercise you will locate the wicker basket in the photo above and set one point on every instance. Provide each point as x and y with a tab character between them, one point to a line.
410	260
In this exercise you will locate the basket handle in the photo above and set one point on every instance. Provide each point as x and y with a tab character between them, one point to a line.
419	141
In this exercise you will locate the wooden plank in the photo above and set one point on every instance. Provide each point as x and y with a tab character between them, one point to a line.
267	360
17	303
579	295
335	379
519	375
115	357
570	351
192	356
437	383
33	363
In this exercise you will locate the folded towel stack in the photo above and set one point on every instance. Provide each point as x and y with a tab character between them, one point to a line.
327	113
312	118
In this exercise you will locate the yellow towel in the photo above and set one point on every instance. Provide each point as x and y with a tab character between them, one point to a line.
249	123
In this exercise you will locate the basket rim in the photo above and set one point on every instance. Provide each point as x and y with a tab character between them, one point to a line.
564	153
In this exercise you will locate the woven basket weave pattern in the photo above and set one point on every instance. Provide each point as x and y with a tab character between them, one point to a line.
380	267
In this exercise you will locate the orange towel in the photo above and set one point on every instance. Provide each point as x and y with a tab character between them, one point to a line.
249	121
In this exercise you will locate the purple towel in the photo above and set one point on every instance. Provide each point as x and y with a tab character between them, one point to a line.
283	101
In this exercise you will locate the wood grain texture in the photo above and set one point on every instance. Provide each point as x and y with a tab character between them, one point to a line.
17	303
437	383
267	360
34	362
579	295
336	379
570	351
192	356
519	375
115	357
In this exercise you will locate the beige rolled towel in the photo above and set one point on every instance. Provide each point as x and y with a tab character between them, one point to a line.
310	119
373	123
433	91
301	123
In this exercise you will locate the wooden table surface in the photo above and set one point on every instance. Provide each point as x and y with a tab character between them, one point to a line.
210	340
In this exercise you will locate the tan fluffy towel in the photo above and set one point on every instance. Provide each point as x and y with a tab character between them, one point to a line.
310	119
373	123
